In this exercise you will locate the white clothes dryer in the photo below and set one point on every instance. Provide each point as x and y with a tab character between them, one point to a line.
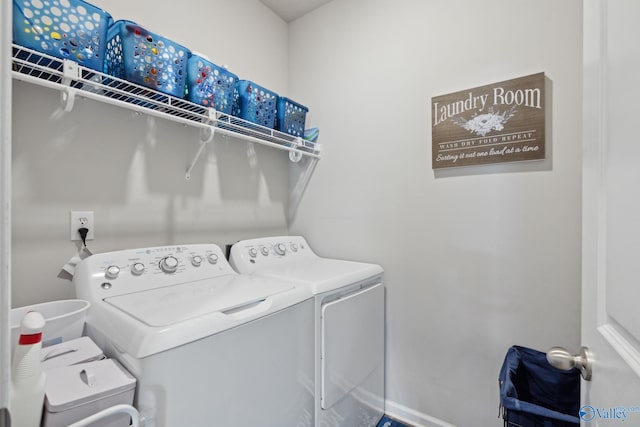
349	324
207	346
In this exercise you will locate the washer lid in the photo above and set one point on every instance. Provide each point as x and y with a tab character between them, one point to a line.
173	304
322	274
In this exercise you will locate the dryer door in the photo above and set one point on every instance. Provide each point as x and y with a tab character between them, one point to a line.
352	343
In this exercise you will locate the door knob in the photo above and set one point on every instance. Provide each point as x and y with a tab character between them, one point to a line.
560	358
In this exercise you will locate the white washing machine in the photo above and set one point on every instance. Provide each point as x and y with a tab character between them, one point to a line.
349	324
208	346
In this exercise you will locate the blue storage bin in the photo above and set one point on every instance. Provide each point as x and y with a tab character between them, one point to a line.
291	116
136	54
66	29
533	393
256	104
210	85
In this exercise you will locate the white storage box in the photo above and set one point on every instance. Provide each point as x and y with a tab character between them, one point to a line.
64	320
78	391
80	350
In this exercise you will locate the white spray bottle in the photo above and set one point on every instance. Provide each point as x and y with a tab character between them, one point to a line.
26	392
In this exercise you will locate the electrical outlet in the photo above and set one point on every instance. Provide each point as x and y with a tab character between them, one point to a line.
79	219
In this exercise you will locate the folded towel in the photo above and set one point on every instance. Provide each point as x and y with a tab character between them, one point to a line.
311	134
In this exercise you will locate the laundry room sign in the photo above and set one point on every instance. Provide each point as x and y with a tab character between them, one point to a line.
496	123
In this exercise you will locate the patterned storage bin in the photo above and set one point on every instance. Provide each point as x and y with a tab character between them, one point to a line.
210	85
256	104
140	56
291	116
66	29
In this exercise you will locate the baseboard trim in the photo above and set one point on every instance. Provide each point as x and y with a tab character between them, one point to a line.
412	417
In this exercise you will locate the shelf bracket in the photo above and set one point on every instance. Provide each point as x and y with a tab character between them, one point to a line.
295	155
70	72
67	99
206	136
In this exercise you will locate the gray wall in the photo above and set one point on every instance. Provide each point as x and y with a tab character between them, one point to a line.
477	258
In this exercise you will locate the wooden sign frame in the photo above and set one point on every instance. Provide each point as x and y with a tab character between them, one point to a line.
496	123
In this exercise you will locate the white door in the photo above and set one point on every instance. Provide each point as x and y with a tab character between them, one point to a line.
611	212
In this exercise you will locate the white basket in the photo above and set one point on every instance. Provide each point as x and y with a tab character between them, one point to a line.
64	320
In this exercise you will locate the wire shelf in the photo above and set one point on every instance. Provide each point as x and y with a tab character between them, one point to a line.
73	79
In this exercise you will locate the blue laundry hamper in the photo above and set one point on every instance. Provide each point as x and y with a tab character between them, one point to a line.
535	394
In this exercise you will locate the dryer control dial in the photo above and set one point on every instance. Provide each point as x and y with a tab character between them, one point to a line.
253	252
169	264
112	272
137	269
196	260
213	259
264	250
280	249
294	247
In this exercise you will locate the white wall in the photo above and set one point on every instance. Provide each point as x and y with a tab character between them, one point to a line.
5	202
130	170
478	258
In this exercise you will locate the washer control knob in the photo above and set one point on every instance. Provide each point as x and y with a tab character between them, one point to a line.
213	259
253	252
137	268
112	272
169	264
196	260
264	250
294	247
280	249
